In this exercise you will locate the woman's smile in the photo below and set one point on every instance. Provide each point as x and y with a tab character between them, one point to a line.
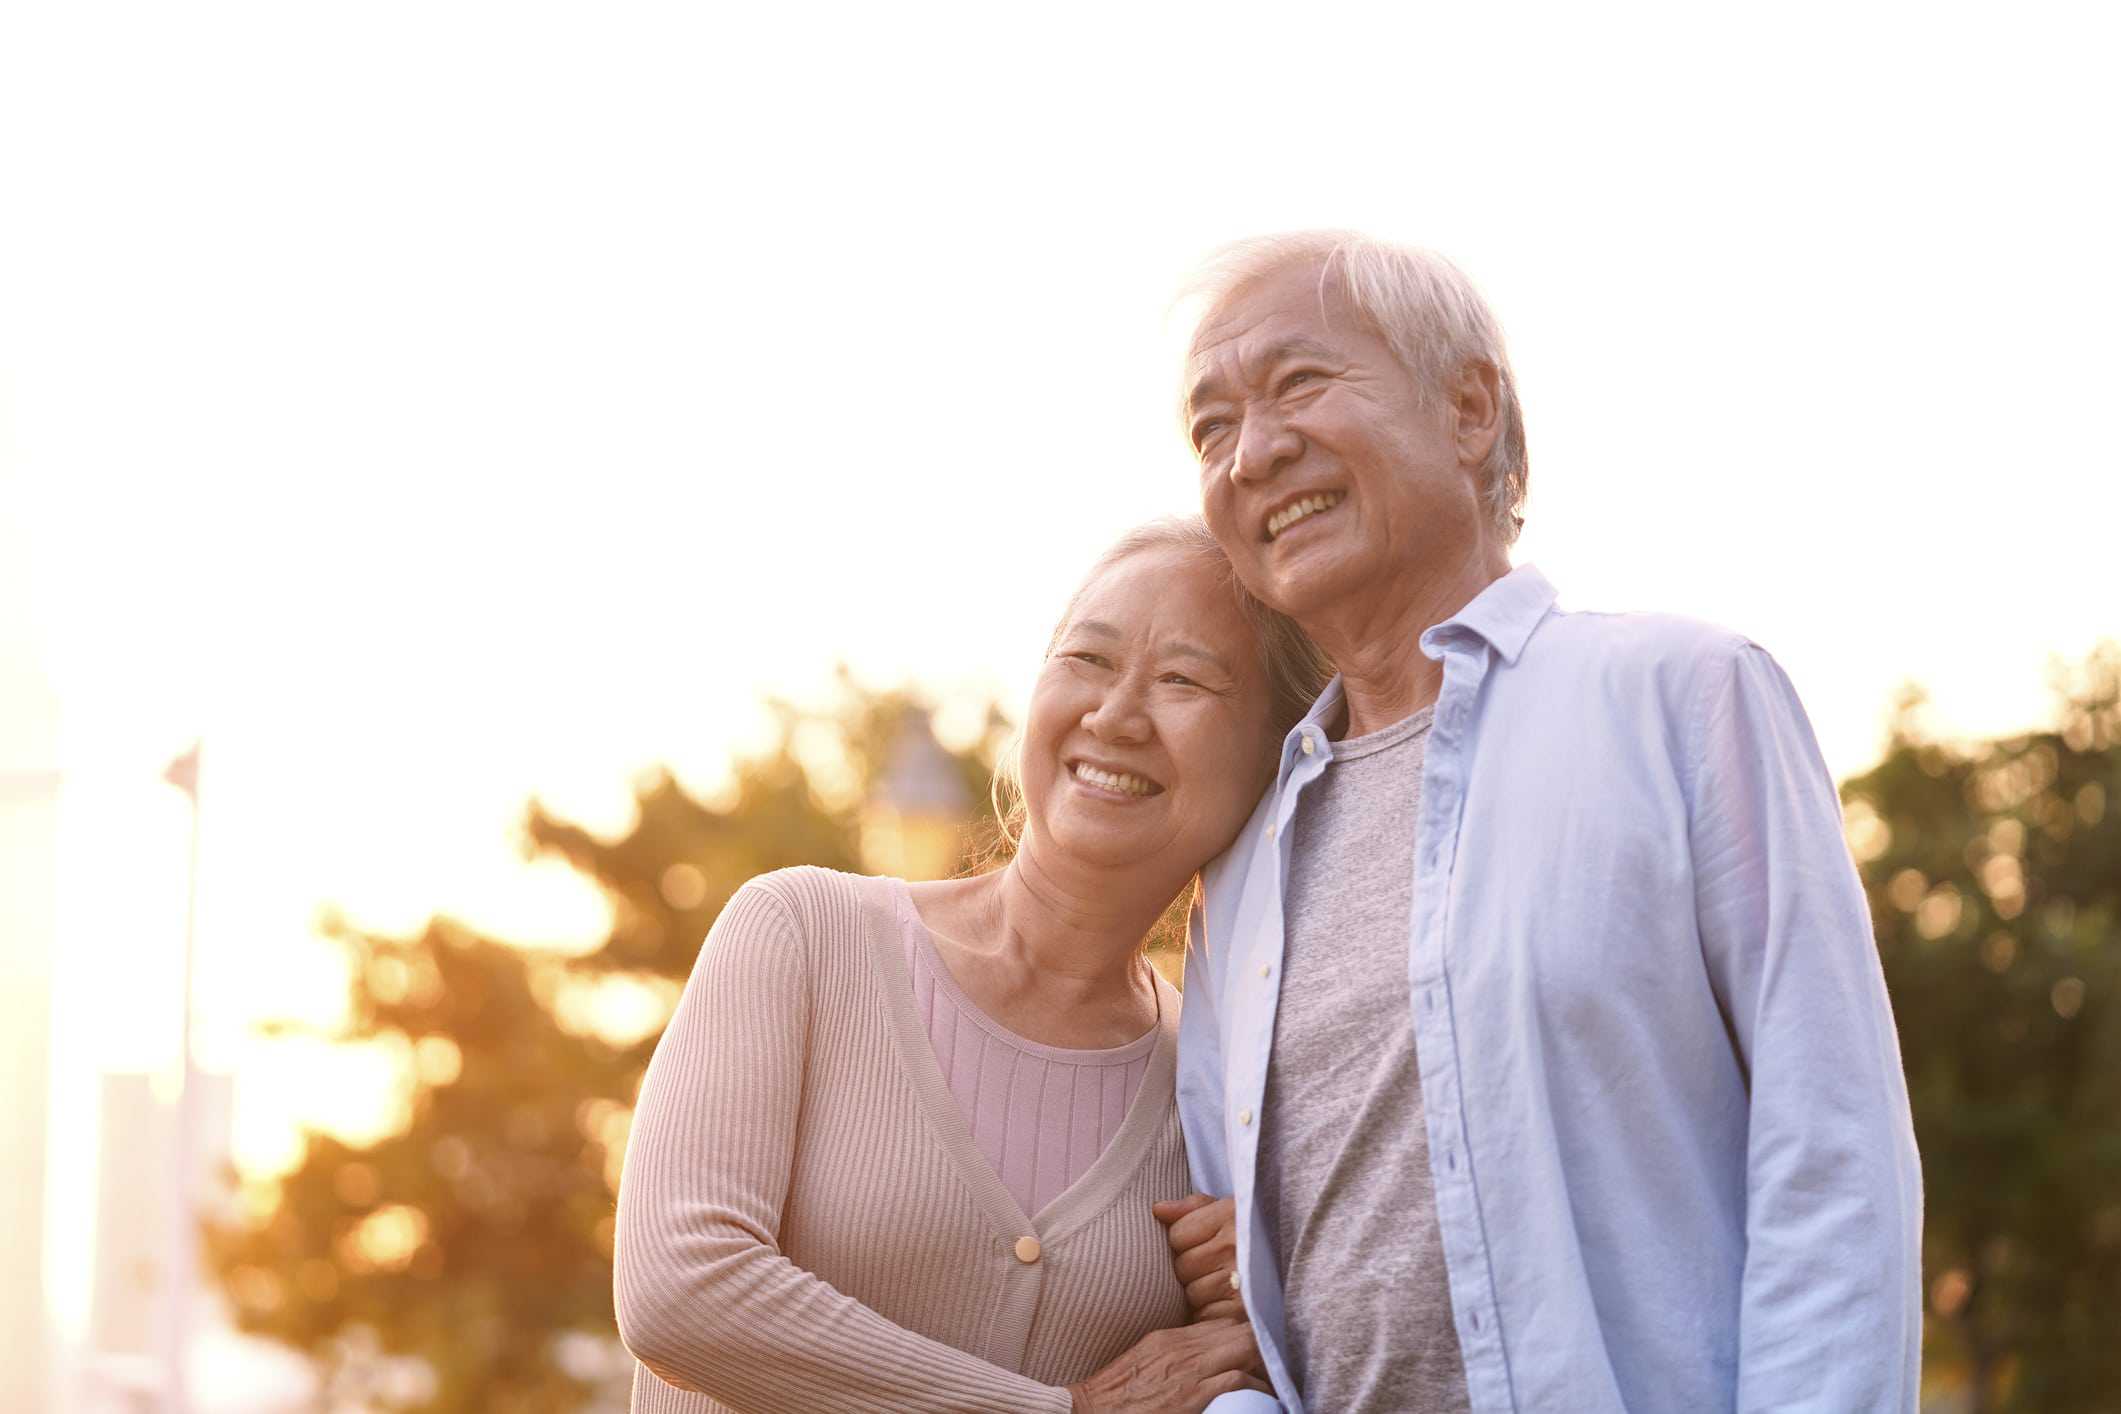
1111	783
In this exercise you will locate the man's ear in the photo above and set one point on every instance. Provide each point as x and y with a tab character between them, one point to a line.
1477	401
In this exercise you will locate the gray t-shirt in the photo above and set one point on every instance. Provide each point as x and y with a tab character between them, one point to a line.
1344	1183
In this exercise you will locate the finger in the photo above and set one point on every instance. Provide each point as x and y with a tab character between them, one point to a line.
1215	1286
1197	1262
1232	1381
1169	1209
1230	1344
1208	1387
1227	1309
1203	1221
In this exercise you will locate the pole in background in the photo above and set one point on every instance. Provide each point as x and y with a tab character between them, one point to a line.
180	1263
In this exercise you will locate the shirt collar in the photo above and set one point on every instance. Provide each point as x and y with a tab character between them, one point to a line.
1503	615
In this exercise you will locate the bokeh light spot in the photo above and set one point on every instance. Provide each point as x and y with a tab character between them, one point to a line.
683	887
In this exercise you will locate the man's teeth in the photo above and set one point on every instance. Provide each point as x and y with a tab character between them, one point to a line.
1310	505
1114	780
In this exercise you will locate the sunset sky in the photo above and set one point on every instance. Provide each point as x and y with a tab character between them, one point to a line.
438	405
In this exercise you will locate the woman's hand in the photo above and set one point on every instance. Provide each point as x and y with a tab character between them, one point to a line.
1203	1233
1179	1370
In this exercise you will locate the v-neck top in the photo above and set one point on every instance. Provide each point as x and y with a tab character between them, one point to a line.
806	1220
1040	1114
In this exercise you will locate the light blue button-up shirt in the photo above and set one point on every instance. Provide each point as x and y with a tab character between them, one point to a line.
1668	1129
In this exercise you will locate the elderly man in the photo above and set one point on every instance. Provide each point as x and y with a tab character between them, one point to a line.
1534	1021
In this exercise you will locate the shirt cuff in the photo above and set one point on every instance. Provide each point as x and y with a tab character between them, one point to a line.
1244	1401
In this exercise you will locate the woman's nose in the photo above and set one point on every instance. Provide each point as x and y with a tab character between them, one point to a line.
1121	715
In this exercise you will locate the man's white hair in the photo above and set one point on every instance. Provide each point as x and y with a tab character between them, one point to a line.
1424	308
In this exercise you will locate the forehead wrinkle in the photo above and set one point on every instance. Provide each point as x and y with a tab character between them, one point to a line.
1327	281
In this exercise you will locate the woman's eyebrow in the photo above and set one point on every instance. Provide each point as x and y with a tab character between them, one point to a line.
1172	647
1180	648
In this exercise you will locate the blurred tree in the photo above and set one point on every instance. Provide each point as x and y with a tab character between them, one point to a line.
1994	874
464	1263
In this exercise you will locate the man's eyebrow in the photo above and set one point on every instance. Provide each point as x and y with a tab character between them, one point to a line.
1295	346
1298	346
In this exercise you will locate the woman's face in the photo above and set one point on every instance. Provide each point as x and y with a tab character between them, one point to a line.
1147	741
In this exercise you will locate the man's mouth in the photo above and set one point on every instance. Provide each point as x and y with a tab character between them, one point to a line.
1124	782
1302	510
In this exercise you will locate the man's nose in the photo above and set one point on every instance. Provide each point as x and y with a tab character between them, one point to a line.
1265	444
1121	715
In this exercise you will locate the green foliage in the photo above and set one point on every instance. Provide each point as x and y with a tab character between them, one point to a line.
476	1242
1994	873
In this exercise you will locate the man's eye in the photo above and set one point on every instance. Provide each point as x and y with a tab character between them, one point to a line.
1299	377
1206	431
1095	660
1181	679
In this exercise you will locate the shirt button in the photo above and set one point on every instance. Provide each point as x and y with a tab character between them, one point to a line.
1272	829
1027	1250
1309	745
1244	1117
1266	969
1233	1280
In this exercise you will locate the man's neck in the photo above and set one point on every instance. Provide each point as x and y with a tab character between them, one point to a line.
1376	643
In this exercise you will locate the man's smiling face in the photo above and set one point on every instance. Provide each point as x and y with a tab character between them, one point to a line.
1324	472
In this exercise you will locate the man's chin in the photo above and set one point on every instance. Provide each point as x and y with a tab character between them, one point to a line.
1308	586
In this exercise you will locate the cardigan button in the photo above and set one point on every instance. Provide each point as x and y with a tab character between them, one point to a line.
1027	1250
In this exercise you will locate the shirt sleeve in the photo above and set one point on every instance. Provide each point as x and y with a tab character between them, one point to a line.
1830	1313
704	1297
1200	1067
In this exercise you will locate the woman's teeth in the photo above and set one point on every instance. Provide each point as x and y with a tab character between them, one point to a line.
1310	505
1114	780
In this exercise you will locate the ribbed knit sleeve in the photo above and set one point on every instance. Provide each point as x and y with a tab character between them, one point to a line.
705	1297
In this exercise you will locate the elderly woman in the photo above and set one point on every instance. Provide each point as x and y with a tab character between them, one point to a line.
899	1145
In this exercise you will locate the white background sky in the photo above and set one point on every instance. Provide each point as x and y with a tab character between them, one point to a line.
436	404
